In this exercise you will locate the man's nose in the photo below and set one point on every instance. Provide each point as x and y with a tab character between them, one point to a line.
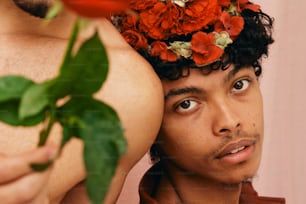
226	119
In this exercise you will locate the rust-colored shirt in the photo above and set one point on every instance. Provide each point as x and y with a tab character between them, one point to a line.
150	183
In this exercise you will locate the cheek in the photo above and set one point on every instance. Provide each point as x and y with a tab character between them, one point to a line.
185	139
255	113
170	139
183	132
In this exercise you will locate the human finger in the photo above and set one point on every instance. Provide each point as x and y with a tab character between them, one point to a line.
13	167
30	188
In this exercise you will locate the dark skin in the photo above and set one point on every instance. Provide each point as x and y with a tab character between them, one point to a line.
211	135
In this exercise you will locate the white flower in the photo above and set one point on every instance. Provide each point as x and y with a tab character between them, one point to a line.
222	39
181	48
180	3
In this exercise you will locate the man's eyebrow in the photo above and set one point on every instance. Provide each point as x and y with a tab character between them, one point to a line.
233	72
230	75
181	91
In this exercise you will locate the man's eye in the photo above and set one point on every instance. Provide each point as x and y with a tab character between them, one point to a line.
241	85
185	106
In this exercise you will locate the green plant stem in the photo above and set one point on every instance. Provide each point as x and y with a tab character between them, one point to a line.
72	40
45	132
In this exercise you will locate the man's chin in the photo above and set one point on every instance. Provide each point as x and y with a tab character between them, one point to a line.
237	179
37	8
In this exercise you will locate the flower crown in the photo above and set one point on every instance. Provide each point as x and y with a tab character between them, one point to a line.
161	27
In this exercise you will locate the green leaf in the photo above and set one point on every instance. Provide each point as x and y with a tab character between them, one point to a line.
69	117
34	100
99	127
9	115
67	135
13	87
90	67
84	73
70	129
104	144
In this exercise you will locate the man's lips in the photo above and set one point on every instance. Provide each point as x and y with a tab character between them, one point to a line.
235	147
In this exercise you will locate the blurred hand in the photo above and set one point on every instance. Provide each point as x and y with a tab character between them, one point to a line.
19	184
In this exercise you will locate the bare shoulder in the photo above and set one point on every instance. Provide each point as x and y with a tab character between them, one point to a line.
128	71
134	90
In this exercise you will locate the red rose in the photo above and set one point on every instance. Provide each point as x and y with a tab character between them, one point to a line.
198	15
233	25
245	4
157	47
160	49
203	49
159	20
135	39
168	56
142	5
129	22
224	3
96	8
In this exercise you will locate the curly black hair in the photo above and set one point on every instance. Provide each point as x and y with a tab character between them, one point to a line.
247	50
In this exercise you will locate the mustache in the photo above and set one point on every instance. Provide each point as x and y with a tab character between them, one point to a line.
232	138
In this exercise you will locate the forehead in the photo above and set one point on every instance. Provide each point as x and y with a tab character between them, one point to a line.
196	78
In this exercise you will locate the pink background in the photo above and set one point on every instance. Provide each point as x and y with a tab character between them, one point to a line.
283	168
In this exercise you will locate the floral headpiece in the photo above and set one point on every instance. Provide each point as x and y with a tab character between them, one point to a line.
161	27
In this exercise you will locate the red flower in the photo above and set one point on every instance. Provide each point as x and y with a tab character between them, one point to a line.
198	14
142	5
135	39
224	3
160	49
165	23
203	49
96	8
244	4
233	25
159	20
129	22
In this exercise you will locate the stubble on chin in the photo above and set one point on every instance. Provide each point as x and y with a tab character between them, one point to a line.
37	8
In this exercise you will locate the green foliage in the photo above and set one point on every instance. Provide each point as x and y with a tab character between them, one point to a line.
98	126
83	74
34	100
12	89
26	103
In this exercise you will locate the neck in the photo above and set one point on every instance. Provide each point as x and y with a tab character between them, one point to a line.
14	21
21	32
188	188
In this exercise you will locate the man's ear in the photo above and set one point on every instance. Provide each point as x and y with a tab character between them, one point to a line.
155	150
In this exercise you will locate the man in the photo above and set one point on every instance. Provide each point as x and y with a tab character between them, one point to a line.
207	54
34	50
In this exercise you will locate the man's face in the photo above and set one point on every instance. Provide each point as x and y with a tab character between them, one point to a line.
37	8
213	125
